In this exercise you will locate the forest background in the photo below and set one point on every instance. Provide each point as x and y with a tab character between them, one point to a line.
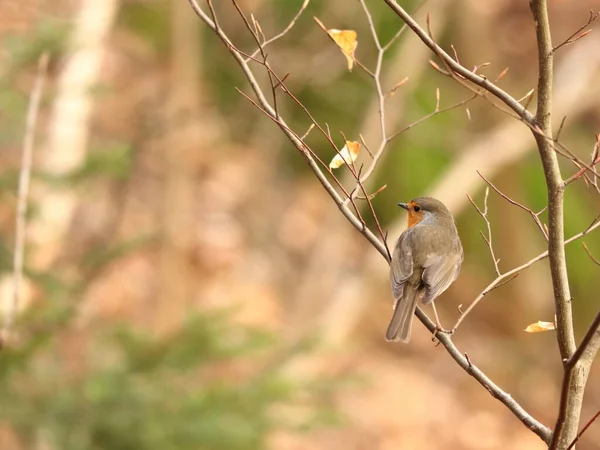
187	282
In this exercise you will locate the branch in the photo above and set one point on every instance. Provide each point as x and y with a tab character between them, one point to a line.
488	239
302	148
584	170
583	430
23	195
534	215
495	391
508	276
457	68
576	36
542	431
574	380
435	112
283	33
588	347
587	250
468	77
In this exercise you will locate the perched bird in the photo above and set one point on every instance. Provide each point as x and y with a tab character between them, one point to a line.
426	260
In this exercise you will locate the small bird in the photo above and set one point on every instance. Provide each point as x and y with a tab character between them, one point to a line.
425	262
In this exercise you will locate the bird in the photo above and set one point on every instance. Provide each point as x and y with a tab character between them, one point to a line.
426	260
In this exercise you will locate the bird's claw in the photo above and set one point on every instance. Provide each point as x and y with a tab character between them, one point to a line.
440	329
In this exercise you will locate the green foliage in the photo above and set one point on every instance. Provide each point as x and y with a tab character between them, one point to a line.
140	392
48	35
113	160
102	254
149	20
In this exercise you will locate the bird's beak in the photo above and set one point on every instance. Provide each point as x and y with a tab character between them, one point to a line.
403	205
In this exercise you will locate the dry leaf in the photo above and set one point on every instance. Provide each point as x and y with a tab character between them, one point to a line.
346	41
540	326
346	155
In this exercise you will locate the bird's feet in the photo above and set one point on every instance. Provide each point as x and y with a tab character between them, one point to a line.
440	329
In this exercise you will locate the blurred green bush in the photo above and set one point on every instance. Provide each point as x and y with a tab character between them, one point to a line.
136	391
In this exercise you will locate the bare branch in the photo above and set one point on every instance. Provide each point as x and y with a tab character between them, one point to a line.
435	112
23	196
576	36
458	69
583	430
587	250
584	170
402	29
284	32
300	146
495	391
507	275
535	216
268	110
487	239
567	421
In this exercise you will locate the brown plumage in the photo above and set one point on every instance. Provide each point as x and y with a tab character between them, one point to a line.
425	262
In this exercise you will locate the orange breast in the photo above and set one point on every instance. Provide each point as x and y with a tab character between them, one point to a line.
413	217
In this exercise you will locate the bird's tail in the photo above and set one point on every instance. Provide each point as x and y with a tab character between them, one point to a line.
401	324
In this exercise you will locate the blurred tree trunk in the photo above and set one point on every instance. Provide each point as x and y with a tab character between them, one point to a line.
182	143
68	129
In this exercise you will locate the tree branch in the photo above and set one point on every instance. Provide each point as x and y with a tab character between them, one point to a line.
495	391
474	78
574	380
508	276
271	113
23	195
541	430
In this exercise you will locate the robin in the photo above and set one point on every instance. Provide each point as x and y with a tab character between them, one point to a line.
425	262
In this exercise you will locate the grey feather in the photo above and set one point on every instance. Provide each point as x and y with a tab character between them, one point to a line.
400	326
439	275
401	267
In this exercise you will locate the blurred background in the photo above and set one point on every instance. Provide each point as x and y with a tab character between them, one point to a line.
189	284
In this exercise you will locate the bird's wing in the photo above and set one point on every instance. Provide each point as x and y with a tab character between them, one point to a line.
401	266
440	271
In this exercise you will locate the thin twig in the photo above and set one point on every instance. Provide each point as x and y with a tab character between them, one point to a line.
284	32
487	239
506	275
458	69
535	216
583	430
374	194
495	391
402	29
23	195
263	54
467	78
587	250
435	112
576	36
583	170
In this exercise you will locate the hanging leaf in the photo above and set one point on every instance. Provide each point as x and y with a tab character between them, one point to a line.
347	155
346	40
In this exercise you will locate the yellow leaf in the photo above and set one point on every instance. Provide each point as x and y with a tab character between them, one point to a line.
540	326
346	41
347	155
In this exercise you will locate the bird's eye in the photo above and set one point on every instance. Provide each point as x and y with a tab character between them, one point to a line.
417	208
